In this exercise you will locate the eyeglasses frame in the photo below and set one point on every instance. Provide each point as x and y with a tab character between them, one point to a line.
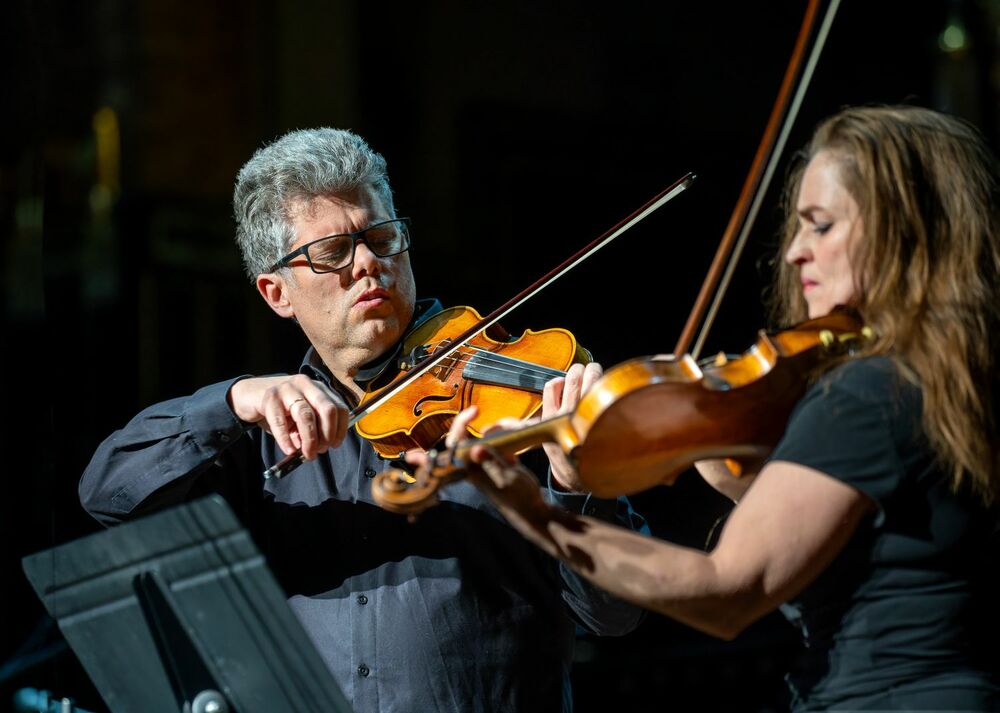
356	237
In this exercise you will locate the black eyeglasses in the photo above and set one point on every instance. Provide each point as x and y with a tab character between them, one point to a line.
335	252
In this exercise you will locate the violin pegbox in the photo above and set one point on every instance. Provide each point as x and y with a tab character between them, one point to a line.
844	343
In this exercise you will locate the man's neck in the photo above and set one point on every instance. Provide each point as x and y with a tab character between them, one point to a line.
347	365
356	370
344	368
347	382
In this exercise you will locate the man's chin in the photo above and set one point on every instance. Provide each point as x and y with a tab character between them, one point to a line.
378	335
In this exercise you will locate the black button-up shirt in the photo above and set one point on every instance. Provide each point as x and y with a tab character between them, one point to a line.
455	612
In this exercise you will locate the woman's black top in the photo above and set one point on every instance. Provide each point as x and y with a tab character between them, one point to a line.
904	615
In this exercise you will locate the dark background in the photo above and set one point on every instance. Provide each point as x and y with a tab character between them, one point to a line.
515	133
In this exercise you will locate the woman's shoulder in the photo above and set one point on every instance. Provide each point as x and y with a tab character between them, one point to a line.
873	379
854	423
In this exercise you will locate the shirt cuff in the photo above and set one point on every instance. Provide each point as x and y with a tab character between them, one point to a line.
210	415
581	503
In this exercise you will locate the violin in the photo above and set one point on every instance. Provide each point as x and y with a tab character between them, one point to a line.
419	415
504	377
647	420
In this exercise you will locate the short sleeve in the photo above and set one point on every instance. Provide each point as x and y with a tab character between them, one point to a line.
845	427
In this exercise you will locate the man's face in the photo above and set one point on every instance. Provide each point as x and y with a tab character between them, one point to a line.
351	316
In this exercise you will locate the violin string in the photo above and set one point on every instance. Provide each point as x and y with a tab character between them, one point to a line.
502	367
531	368
490	360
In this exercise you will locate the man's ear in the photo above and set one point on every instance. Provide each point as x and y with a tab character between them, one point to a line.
274	290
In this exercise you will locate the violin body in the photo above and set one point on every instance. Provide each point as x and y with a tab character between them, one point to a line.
653	418
649	419
504	377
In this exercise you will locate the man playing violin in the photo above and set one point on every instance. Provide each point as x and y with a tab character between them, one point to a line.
453	613
873	525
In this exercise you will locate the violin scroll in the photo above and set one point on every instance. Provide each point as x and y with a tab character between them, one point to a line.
400	492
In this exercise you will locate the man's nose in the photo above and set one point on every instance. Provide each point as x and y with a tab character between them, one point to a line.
365	261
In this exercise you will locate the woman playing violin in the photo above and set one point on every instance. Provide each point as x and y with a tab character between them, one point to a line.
872	523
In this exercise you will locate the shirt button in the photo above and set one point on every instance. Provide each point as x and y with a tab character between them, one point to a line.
362	599
363	671
369	472
224	437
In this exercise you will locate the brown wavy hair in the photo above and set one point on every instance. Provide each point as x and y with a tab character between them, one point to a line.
927	268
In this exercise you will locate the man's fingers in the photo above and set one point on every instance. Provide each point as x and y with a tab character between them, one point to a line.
552	395
562	394
460	426
319	413
332	415
302	414
277	419
591	373
571	391
306	427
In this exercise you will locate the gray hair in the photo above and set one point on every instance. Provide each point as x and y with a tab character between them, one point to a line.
299	166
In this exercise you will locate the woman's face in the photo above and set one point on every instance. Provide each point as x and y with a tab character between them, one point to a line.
829	226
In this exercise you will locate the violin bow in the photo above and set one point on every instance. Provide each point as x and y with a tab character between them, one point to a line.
289	463
786	108
653	204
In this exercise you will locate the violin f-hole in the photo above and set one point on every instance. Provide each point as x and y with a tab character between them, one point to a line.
417	411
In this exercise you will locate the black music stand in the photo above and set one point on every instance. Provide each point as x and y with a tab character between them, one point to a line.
178	611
